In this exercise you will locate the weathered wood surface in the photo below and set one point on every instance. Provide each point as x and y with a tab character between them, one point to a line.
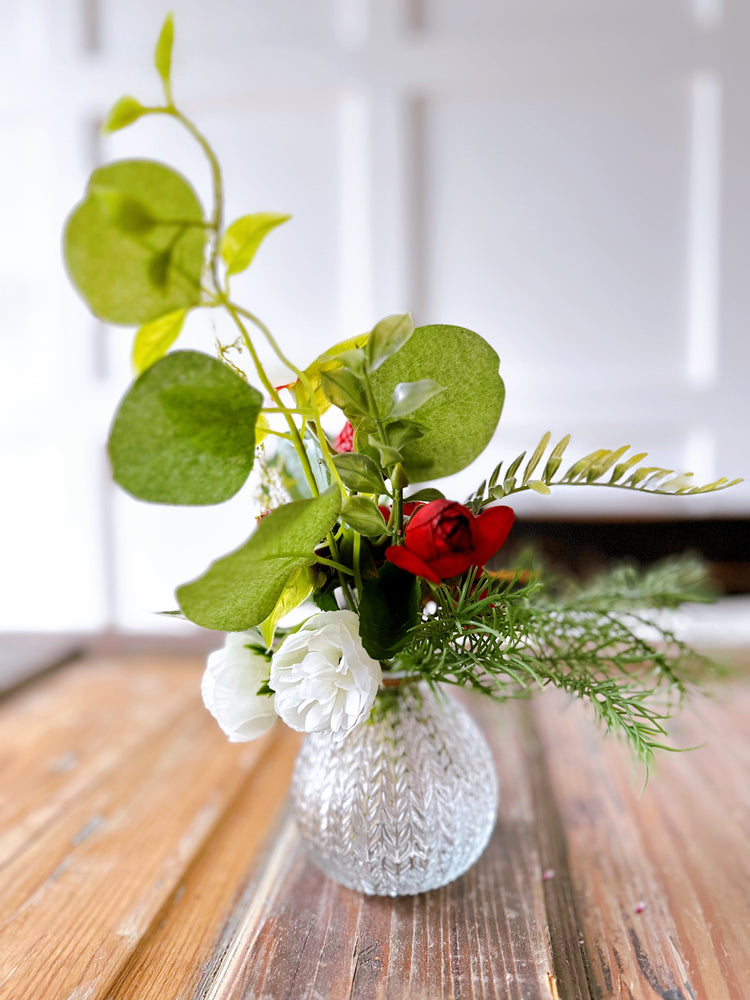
142	856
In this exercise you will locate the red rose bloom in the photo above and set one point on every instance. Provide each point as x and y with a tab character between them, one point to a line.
444	538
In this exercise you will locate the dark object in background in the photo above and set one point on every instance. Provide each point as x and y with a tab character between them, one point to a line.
586	547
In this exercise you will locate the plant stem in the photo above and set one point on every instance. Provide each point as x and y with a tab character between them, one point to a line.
218	187
269	387
396	518
305	381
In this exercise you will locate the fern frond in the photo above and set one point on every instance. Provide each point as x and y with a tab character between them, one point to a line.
604	467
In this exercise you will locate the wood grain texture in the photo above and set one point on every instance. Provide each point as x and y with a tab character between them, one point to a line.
144	857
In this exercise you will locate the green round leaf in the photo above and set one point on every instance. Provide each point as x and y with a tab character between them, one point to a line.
459	422
241	590
185	432
132	277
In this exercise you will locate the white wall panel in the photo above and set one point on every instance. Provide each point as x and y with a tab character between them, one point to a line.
556	228
568	177
130	28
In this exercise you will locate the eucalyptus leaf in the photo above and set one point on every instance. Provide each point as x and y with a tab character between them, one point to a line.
409	396
363	515
389	607
132	278
241	589
387	338
163	51
460	421
126	213
154	339
185	432
243	237
359	472
123	113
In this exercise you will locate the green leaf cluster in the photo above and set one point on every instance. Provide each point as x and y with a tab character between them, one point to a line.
406	390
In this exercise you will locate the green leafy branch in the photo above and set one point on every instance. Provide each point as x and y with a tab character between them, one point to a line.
612	468
507	638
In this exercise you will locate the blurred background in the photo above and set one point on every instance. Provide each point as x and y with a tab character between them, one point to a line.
569	179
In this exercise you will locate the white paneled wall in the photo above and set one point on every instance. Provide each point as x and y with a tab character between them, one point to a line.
569	178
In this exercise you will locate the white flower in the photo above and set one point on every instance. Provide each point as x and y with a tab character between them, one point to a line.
230	684
322	676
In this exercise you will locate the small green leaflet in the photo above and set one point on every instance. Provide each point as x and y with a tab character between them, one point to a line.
123	113
154	339
409	396
163	51
363	515
243	237
360	473
298	589
386	338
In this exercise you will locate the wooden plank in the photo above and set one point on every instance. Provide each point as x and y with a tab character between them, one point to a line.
70	732
186	935
661	879
162	862
79	897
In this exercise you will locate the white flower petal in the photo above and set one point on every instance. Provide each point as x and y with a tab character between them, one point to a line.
323	677
229	688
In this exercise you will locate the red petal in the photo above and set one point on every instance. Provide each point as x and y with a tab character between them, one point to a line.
400	556
453	564
492	527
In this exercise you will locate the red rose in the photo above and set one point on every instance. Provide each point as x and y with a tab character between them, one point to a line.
444	538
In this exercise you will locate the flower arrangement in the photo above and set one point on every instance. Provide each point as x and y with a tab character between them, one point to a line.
397	571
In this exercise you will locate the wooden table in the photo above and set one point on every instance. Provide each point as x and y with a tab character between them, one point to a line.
142	856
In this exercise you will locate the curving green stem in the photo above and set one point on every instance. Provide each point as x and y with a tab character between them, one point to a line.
236	312
396	520
305	381
271	390
218	187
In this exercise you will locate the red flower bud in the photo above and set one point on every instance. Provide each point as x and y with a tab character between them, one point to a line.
345	440
444	538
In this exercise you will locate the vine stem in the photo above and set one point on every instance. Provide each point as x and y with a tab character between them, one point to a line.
236	312
396	518
218	187
305	381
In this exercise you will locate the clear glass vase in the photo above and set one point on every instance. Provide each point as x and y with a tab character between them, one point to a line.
406	803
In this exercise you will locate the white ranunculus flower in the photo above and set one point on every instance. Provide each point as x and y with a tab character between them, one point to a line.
230	684
322	676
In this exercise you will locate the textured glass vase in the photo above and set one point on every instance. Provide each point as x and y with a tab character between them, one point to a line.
406	803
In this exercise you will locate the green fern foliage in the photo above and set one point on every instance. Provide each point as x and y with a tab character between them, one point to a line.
607	641
604	467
